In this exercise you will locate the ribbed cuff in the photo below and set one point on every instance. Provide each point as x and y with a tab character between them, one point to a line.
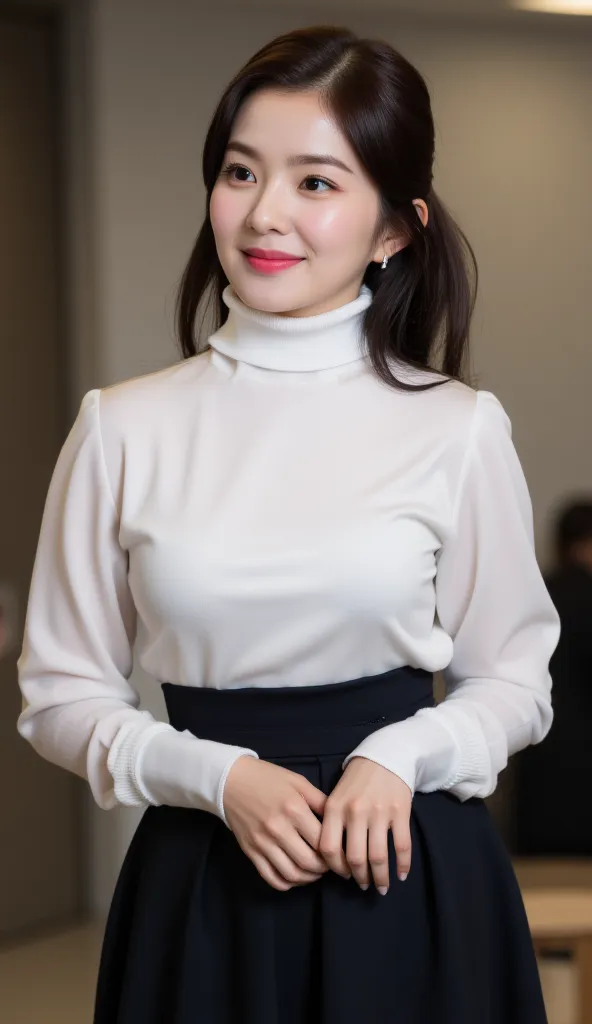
122	761
473	775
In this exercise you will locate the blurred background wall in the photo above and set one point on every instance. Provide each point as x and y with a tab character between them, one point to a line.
512	99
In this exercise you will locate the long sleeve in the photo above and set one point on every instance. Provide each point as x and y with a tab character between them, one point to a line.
492	601
79	708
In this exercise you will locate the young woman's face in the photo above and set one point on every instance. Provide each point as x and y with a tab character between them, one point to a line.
321	213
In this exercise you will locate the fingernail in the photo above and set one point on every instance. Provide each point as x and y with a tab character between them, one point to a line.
402	877
383	889
364	887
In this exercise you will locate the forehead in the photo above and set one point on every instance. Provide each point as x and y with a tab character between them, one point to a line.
279	124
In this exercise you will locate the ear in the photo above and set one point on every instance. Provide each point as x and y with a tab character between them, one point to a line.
422	211
389	246
393	243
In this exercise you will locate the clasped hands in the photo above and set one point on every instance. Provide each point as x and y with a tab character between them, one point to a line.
272	812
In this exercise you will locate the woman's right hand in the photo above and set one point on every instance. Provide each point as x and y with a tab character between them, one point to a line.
270	810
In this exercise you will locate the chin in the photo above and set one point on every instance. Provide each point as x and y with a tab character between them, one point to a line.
261	297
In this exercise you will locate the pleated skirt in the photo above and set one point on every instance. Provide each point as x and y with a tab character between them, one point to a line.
195	936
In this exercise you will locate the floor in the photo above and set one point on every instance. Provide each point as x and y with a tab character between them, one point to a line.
51	981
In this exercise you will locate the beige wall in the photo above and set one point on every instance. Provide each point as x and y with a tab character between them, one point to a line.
514	163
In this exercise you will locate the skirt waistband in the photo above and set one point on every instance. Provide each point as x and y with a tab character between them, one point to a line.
288	721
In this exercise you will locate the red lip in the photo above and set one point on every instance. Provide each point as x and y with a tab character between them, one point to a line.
271	254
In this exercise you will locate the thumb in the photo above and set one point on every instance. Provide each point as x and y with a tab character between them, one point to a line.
315	799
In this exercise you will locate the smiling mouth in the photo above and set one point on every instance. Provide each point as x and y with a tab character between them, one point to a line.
270	265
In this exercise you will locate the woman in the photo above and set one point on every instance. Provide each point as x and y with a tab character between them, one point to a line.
299	525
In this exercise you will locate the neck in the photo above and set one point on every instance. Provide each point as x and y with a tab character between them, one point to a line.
275	342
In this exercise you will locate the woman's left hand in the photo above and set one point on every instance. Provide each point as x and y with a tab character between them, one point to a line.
367	802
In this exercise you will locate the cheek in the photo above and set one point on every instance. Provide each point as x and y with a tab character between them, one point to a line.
224	214
338	228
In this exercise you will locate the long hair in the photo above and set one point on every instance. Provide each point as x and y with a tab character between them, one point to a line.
423	301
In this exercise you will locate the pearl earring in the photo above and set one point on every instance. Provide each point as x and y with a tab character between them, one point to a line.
384	262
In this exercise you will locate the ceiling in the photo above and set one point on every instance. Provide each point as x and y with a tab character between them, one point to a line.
442	7
469	10
472	9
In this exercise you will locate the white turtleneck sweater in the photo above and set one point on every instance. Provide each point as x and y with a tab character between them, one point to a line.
270	513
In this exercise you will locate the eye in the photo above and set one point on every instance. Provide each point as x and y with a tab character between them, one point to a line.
229	170
322	180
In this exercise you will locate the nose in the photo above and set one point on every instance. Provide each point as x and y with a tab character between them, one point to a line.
269	211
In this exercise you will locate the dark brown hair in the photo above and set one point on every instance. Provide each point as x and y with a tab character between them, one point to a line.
423	301
573	526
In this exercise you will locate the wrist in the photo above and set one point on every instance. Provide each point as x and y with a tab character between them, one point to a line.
182	770
404	768
221	810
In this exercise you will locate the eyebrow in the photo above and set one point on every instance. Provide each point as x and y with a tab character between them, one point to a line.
293	161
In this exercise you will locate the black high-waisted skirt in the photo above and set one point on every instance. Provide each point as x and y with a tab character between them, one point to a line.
195	936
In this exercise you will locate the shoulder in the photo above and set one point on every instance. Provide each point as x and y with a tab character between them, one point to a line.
138	407
469	432
471	407
449	415
142	400
132	417
140	404
453	409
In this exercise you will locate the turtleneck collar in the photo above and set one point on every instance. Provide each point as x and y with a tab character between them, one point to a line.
274	342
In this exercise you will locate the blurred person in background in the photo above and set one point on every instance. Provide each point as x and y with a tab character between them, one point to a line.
299	524
552	781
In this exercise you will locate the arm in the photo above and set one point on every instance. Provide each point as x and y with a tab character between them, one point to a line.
79	709
492	600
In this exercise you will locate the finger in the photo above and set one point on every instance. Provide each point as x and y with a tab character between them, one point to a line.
313	796
285	833
286	867
402	838
302	854
378	854
308	826
331	843
356	848
268	872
